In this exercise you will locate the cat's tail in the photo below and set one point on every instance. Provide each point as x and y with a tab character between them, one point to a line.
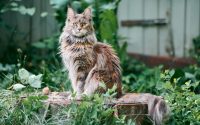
107	67
158	109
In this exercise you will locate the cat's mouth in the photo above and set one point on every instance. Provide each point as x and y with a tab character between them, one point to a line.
79	33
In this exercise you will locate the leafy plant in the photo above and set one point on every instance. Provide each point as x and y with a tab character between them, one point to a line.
93	112
14	5
23	79
31	110
6	67
196	49
184	103
16	110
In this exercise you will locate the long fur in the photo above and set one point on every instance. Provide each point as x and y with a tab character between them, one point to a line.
106	69
157	107
88	62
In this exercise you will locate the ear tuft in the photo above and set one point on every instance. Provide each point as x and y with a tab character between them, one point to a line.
70	13
87	12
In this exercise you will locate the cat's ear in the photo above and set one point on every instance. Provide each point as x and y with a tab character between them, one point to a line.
88	12
70	13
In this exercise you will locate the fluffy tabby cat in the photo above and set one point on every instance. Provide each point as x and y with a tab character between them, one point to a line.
88	62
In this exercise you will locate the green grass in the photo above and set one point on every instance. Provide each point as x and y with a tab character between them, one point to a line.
180	87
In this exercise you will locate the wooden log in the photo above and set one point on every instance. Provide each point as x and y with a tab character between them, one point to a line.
136	106
61	98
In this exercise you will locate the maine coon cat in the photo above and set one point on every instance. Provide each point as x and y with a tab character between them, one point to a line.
88	62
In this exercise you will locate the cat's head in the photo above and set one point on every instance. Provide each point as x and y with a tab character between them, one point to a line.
79	25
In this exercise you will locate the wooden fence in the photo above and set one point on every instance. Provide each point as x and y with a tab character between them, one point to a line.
25	28
159	27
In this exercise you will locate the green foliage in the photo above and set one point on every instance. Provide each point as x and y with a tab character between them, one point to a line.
31	79
14	110
7	67
184	102
22	79
56	79
31	110
145	81
196	49
93	113
179	87
14	5
108	25
18	87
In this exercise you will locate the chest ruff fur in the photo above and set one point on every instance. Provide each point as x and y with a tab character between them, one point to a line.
89	63
78	55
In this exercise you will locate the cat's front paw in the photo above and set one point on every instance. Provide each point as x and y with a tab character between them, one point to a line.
78	97
75	97
70	97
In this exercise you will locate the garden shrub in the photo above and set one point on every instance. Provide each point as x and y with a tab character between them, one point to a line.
180	94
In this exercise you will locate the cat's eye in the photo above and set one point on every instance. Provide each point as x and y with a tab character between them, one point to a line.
83	24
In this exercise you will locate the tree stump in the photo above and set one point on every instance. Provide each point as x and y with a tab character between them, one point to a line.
127	105
143	108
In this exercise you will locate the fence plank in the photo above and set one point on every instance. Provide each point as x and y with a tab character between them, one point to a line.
163	32
178	26
192	23
52	25
5	31
123	15
43	27
151	33
135	34
43	20
23	25
36	22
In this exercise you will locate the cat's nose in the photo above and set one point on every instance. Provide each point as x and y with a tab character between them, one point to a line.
79	29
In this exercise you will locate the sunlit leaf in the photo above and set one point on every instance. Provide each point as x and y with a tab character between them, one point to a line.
35	81
108	6
23	74
44	14
18	87
30	11
39	45
22	10
14	4
58	3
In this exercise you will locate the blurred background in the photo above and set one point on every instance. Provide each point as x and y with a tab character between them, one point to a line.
160	27
158	42
149	27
